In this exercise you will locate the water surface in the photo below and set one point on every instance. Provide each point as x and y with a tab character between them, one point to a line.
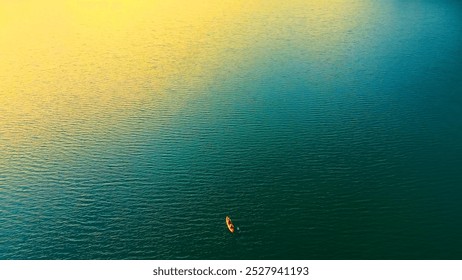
130	129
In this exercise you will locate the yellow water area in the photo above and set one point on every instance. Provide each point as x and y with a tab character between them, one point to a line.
74	60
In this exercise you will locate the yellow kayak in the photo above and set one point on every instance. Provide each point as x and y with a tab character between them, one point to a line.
229	224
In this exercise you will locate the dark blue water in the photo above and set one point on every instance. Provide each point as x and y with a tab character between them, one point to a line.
325	131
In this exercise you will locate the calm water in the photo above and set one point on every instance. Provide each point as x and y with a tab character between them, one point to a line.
328	130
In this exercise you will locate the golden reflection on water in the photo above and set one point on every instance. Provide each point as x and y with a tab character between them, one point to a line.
76	60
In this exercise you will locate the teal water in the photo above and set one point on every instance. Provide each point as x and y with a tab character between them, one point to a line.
319	142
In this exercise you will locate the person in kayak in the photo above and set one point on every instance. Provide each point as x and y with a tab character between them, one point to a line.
229	224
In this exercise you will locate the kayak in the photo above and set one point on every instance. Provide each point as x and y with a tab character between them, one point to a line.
229	224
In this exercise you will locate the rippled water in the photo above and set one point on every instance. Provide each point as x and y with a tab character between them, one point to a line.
325	129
